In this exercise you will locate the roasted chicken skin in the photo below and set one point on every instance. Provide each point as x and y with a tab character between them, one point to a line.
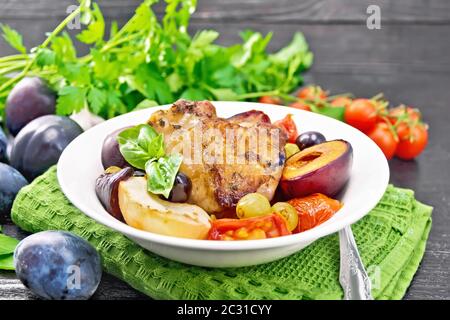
224	158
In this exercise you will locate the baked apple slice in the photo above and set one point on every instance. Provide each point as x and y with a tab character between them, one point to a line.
149	212
323	168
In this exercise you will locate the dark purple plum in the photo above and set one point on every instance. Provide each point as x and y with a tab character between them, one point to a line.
11	182
3	146
58	265
111	156
29	99
40	143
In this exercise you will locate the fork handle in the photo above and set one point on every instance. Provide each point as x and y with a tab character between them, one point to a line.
353	276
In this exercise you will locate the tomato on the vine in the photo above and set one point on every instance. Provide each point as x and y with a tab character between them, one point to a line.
312	93
341	102
270	100
301	105
361	114
403	112
413	140
385	138
288	125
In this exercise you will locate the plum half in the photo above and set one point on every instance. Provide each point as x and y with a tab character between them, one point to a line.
107	189
323	168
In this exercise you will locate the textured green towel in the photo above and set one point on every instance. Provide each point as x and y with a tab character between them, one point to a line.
391	240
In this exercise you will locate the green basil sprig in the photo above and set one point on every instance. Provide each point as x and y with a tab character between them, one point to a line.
161	174
140	144
143	148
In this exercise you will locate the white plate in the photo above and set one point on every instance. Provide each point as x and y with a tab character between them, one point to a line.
80	165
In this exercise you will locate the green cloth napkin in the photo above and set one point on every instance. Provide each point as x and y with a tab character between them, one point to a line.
391	240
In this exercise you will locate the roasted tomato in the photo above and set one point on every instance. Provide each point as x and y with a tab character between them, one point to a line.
314	210
269	226
288	125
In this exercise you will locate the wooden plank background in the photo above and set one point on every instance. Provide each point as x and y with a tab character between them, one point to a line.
408	59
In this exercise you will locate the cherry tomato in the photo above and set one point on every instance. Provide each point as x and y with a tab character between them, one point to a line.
341	102
361	114
288	125
384	137
314	210
313	93
403	131
301	105
270	100
412	141
407	113
269	226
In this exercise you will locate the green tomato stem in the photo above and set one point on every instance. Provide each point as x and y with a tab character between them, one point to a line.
377	96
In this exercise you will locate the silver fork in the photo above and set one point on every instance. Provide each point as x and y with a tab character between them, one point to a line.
353	276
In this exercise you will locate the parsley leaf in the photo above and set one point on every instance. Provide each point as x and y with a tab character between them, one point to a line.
97	99
45	57
13	38
71	99
95	30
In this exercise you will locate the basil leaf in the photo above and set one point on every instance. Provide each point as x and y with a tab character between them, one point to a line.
7	262
333	112
7	244
161	174
140	144
156	147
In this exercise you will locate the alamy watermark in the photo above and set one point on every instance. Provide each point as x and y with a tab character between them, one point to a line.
373	21
74	24
74	277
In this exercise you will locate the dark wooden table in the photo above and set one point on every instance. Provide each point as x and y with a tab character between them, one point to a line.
408	59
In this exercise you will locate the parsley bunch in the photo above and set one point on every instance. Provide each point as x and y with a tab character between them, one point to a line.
149	62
